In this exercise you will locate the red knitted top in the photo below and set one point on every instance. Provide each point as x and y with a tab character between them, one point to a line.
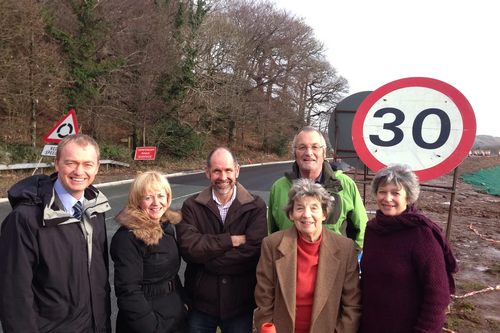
307	269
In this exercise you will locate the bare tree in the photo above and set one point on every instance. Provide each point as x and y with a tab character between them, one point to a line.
258	65
158	69
31	70
143	38
322	88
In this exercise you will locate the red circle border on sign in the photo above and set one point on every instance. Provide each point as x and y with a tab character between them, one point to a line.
463	105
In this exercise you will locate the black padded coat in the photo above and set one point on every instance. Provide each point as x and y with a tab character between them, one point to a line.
149	293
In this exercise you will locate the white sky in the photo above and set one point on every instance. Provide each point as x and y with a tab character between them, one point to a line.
374	42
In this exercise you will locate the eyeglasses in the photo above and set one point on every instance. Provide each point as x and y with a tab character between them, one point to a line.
314	148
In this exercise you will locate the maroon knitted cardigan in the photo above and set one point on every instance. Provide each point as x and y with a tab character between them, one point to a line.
403	274
384	224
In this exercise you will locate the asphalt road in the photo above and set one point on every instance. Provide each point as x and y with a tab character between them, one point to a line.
257	179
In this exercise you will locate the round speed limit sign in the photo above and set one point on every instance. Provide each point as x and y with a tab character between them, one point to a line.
422	122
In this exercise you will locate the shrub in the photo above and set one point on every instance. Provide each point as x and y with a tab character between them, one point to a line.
175	140
115	153
277	144
5	156
22	154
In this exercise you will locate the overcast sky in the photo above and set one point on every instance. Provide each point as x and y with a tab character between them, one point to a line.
374	42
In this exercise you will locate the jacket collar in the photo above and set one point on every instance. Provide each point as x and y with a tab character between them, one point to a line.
286	267
329	180
53	215
29	191
242	195
243	198
39	190
147	230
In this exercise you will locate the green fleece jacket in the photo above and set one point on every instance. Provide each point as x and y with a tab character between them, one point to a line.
348	217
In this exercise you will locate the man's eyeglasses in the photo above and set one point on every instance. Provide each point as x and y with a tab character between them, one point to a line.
314	148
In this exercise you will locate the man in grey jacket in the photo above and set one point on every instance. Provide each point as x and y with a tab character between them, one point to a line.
53	248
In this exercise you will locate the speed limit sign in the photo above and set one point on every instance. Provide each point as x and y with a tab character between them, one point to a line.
422	122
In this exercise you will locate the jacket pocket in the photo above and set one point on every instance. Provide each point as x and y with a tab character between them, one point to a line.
52	312
206	288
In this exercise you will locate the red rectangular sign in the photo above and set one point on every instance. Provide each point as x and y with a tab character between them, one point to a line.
145	153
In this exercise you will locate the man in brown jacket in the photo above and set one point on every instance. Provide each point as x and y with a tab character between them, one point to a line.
219	238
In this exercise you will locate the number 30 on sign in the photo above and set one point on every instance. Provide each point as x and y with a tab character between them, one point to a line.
422	122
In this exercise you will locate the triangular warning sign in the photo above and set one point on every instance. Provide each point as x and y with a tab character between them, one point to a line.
66	126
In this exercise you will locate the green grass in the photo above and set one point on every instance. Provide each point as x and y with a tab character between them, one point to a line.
494	324
466	310
471	286
494	270
453	323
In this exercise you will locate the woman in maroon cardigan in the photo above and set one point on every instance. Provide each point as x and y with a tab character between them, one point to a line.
407	263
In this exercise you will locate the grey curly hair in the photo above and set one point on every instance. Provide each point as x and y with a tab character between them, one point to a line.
302	188
402	176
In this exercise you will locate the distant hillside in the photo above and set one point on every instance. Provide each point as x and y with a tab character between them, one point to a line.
487	142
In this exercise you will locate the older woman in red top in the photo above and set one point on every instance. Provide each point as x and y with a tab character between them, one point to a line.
307	276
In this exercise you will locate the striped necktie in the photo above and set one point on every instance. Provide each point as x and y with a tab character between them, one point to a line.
77	210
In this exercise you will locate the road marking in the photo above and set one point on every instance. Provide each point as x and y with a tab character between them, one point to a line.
187	195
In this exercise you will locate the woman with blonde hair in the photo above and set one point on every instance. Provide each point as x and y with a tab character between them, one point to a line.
144	250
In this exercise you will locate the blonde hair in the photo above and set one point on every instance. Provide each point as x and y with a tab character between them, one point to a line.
150	181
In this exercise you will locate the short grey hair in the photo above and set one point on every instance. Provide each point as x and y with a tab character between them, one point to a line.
402	176
303	188
308	129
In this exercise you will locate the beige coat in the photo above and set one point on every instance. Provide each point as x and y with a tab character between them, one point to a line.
337	296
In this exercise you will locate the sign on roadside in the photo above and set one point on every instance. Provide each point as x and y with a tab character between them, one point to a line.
49	150
422	122
145	153
66	126
340	129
